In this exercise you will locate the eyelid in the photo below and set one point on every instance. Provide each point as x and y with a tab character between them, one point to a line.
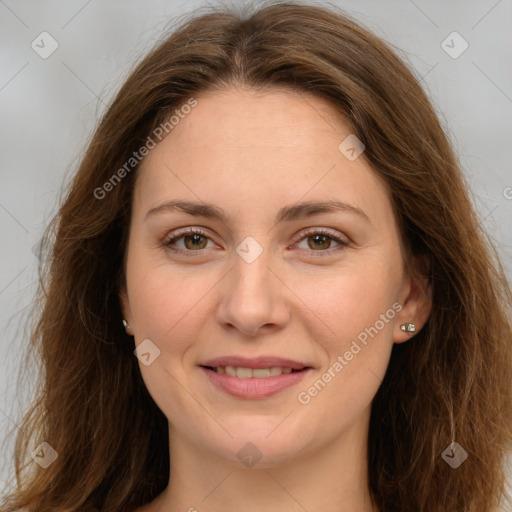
341	239
181	232
185	231
320	231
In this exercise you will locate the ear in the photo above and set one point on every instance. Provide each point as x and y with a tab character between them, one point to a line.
125	309
415	298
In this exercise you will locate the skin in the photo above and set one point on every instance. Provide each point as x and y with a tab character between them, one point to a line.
251	153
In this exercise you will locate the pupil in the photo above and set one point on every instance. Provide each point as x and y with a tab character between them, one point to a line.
320	240
194	240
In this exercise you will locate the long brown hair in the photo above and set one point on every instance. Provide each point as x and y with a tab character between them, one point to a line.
450	383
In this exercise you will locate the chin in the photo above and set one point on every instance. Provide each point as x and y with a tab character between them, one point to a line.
260	447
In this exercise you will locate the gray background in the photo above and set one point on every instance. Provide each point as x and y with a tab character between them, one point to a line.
50	107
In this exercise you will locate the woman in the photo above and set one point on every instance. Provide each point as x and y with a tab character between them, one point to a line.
269	290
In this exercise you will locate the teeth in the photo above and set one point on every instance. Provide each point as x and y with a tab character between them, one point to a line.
275	371
248	373
243	373
231	370
261	373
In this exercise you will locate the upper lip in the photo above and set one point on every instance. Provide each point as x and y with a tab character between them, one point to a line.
256	362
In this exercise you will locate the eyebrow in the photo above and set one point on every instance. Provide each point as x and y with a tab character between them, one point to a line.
285	214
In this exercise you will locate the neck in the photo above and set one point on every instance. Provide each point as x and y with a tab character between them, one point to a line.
330	478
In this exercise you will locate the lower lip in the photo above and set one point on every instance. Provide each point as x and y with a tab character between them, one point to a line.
252	388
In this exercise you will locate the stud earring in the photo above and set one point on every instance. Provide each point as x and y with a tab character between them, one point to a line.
408	327
125	323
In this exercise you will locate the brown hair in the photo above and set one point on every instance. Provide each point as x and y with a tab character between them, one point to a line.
451	382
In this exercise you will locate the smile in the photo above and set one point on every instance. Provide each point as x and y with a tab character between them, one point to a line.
256	373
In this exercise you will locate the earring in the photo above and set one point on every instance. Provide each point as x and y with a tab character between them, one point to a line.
125	323
408	327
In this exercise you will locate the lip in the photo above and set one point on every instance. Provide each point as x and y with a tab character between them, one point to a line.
253	388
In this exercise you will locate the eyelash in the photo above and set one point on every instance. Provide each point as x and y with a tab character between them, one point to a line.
196	231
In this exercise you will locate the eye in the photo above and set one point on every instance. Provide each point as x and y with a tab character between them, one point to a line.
195	239
319	241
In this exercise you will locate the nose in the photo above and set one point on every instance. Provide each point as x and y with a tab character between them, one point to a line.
253	298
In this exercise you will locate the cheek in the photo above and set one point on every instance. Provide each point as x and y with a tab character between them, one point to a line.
165	300
349	299
356	308
168	310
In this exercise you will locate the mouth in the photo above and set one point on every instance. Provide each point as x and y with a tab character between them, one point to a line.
254	378
242	372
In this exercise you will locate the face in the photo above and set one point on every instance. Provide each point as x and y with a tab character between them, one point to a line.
274	323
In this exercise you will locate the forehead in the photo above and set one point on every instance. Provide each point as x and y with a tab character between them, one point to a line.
272	117
248	147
